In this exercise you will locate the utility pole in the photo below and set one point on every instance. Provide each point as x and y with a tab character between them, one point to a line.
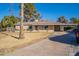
11	9
21	34
11	14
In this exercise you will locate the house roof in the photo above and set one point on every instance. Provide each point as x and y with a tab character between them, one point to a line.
45	23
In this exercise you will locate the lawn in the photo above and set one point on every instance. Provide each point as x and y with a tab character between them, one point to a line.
9	40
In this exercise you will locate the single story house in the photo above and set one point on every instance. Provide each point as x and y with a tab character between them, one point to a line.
44	26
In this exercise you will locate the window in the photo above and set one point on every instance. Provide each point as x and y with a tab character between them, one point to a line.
30	28
45	27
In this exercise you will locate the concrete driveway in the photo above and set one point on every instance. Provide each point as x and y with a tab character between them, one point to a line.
58	44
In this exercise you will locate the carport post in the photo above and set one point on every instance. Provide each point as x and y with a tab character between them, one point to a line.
61	28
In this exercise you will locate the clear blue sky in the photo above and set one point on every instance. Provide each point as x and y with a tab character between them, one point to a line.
48	11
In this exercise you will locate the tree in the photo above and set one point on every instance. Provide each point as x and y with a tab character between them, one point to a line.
74	20
30	12
8	21
62	19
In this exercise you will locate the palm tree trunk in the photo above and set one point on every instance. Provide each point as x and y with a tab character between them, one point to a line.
21	34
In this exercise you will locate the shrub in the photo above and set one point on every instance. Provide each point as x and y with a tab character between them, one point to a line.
68	28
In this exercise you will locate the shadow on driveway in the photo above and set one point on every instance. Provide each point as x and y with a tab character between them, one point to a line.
77	54
66	38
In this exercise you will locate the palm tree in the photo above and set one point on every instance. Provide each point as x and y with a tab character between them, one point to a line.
21	34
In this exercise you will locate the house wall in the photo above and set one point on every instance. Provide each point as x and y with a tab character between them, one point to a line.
51	28
38	29
18	27
41	28
57	27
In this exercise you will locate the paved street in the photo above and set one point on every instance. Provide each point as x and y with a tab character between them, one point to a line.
58	44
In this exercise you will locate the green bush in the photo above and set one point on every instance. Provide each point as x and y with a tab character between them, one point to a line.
68	28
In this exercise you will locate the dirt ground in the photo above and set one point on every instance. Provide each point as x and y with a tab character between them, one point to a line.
57	44
9	40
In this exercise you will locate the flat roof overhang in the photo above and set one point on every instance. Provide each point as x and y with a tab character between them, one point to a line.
46	23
